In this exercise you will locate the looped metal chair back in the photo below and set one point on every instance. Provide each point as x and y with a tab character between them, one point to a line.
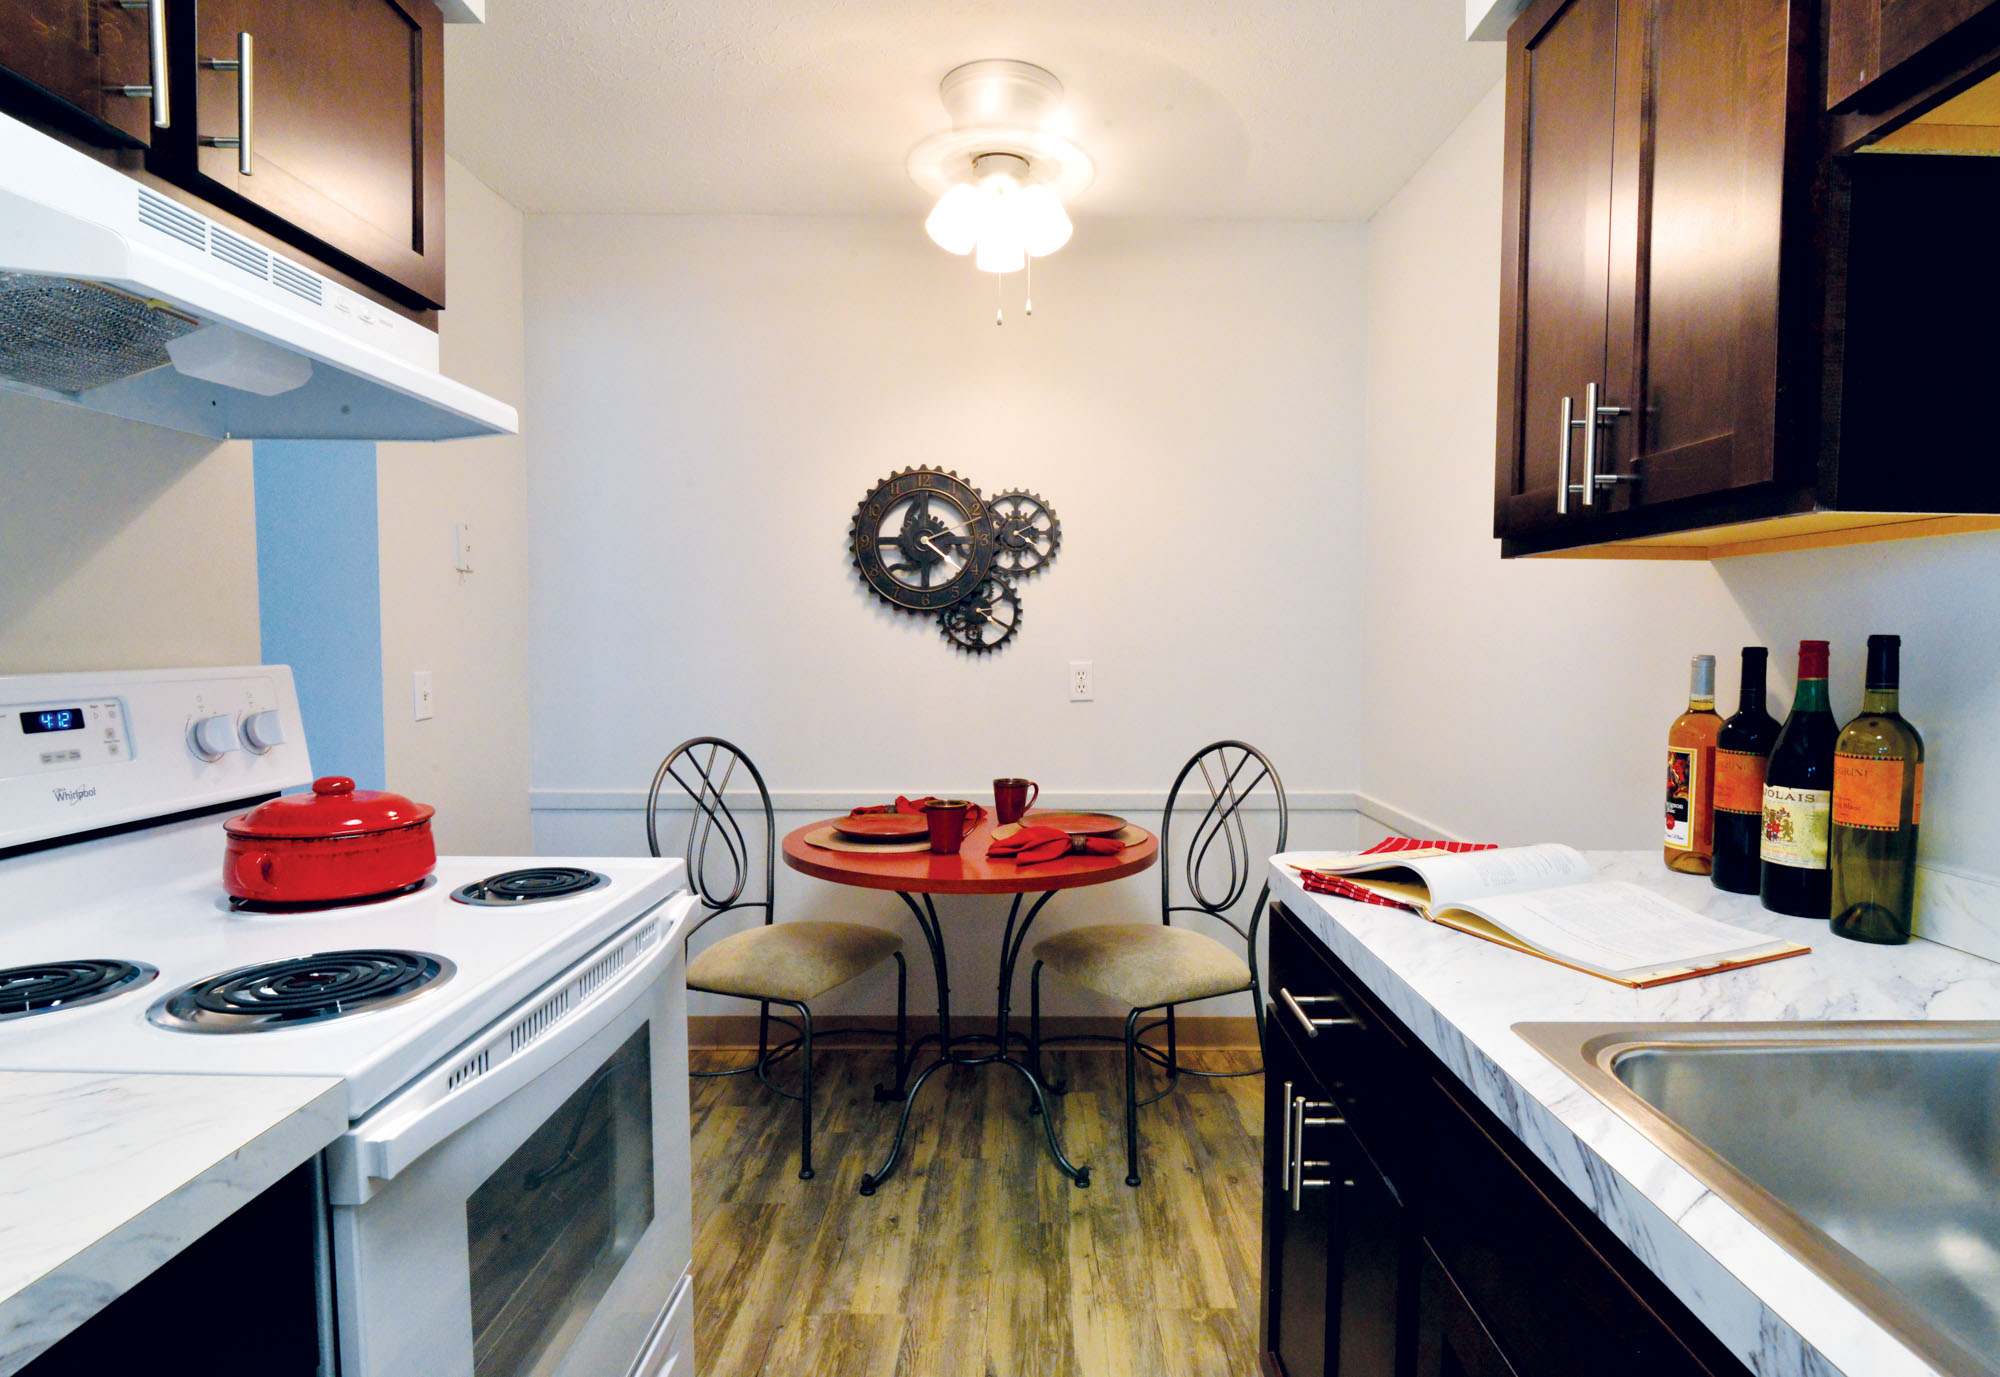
1221	862
721	857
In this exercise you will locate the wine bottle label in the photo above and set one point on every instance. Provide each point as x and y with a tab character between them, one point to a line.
1796	823
1739	781
1683	788
1917	797
1868	792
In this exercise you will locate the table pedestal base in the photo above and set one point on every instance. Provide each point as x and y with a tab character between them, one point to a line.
949	1046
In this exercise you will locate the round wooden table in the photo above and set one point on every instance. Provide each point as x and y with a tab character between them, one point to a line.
915	877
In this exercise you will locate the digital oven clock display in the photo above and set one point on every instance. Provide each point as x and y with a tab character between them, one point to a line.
51	720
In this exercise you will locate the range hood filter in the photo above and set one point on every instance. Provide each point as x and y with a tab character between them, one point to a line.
69	336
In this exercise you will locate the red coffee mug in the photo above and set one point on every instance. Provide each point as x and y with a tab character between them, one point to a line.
1012	798
946	817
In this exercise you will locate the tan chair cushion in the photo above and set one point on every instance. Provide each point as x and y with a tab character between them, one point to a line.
794	961
1143	964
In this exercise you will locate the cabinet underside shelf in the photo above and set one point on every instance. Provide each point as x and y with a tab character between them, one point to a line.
1799	531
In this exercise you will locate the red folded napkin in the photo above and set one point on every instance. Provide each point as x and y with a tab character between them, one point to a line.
1031	845
903	804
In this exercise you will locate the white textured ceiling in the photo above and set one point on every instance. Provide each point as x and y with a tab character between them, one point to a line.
1296	109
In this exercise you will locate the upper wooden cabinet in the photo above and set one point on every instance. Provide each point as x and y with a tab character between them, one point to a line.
318	122
1657	156
345	128
1907	42
1720	333
86	64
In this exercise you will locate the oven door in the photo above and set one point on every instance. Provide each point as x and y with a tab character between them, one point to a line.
522	1209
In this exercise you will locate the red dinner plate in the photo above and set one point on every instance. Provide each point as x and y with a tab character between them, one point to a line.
883	827
1077	824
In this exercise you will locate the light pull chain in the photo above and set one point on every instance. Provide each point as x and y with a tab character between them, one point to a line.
999	316
1031	287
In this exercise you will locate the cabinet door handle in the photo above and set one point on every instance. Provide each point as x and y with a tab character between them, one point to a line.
246	102
1296	1122
1595	416
1311	1025
156	50
1562	457
1285	1157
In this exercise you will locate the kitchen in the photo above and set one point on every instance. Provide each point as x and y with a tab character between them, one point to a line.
1271	343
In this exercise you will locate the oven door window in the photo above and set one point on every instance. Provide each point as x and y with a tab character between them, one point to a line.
548	1232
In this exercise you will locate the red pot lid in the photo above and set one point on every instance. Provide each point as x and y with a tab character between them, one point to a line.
334	808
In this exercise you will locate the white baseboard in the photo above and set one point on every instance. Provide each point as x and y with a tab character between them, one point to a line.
822	801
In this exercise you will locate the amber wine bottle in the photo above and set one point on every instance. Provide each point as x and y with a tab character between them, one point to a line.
1798	798
1691	774
1878	799
1742	749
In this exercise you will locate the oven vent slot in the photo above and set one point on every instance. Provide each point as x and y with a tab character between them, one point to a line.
471	1069
545	1016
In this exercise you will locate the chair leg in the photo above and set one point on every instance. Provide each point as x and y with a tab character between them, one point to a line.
1173	1050
806	1102
763	1031
1257	1007
1132	1098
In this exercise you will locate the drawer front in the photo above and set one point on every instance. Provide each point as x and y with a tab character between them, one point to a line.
1357	1048
1551	1299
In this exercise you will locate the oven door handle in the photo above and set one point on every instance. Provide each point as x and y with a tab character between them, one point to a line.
449	1096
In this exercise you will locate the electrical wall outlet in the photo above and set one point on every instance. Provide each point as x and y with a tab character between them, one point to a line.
461	536
1079	682
420	694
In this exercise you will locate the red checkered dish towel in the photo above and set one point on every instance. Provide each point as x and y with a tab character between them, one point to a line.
1340	887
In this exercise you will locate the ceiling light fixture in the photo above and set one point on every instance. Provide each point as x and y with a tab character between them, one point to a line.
1002	171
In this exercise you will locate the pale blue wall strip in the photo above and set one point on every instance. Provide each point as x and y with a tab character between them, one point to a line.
319	591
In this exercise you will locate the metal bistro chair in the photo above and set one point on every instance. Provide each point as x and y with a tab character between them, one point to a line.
1152	967
775	963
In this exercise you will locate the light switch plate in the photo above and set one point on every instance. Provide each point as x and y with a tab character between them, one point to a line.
420	693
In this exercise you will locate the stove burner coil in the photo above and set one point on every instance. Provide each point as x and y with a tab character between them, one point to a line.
529	886
26	990
278	994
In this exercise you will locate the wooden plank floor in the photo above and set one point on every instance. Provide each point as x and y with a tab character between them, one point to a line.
978	1259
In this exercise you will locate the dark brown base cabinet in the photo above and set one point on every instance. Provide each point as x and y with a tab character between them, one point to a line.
1426	1241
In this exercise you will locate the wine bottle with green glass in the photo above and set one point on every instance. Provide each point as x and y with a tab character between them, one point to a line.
1878	799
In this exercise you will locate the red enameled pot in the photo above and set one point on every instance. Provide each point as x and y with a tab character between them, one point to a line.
335	843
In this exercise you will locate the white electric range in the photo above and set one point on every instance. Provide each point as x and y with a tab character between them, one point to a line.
497	1044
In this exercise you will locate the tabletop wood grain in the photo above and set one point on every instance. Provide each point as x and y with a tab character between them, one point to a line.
968	872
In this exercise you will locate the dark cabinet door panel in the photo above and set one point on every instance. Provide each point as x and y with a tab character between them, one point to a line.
83	56
1556	257
1299	1244
346	126
1705	144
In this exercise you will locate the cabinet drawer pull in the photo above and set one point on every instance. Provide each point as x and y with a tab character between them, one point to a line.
1562	457
156	49
246	101
1310	1025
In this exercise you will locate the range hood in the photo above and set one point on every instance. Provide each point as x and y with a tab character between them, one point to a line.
116	298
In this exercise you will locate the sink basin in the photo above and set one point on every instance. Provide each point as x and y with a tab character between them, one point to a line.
1869	1150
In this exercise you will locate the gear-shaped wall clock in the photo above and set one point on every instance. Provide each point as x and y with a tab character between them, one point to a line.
925	541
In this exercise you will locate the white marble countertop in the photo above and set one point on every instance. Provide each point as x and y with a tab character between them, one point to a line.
104	1177
1461	995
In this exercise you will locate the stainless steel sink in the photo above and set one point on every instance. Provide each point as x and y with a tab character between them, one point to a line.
1869	1150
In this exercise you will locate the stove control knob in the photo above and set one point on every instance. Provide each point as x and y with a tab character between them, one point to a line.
261	731
211	737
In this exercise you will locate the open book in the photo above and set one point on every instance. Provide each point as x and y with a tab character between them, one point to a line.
1542	900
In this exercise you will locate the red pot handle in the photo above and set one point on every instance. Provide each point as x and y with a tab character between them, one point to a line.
253	871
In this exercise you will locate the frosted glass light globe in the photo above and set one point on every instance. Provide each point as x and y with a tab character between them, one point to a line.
954	221
1044	225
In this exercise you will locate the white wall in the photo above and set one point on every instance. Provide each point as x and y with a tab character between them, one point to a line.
470	760
1528	700
713	396
122	546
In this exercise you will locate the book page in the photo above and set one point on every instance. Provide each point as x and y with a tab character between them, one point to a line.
1456	880
1617	928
